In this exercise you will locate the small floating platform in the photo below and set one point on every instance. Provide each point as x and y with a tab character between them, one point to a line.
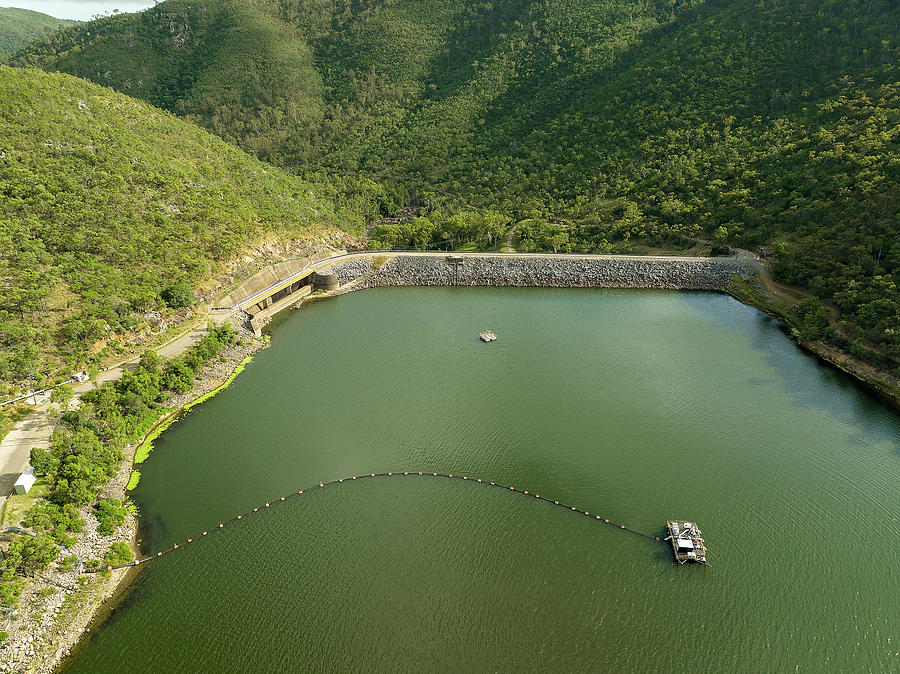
687	541
488	336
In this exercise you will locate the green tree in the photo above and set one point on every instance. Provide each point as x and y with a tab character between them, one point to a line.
110	513
814	318
63	395
28	554
178	295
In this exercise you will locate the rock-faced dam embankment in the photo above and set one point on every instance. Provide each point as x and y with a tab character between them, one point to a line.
674	273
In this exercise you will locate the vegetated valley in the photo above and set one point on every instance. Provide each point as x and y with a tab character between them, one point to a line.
142	155
584	125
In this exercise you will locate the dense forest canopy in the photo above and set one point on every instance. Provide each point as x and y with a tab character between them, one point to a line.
19	27
111	208
587	125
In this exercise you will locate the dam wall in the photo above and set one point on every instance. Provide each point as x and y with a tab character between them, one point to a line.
573	271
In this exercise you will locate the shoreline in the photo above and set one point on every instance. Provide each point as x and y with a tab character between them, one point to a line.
57	624
97	597
869	379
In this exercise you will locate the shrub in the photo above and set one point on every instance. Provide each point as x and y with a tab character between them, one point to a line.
119	553
111	513
29	554
66	564
56	520
178	295
10	588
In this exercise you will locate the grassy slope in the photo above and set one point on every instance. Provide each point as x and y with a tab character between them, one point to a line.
106	202
239	72
776	120
18	27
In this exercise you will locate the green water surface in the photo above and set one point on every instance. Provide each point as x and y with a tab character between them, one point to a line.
636	405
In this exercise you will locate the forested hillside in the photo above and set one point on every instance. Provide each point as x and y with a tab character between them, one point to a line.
588	124
112	208
225	64
18	27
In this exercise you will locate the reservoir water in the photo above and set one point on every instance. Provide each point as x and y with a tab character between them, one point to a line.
636	405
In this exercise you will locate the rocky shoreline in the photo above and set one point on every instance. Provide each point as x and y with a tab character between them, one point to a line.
47	625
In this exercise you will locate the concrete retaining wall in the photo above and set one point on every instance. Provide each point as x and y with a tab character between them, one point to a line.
562	272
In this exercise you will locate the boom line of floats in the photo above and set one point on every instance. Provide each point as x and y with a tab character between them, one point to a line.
685	537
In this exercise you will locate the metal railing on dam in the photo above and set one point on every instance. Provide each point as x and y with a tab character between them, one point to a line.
347	480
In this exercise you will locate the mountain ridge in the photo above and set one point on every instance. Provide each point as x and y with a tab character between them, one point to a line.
18	27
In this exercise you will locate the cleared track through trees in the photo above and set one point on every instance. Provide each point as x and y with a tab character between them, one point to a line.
269	504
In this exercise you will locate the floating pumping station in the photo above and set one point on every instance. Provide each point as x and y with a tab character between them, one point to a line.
269	504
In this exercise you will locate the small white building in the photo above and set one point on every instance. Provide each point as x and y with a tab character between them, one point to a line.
25	482
81	377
